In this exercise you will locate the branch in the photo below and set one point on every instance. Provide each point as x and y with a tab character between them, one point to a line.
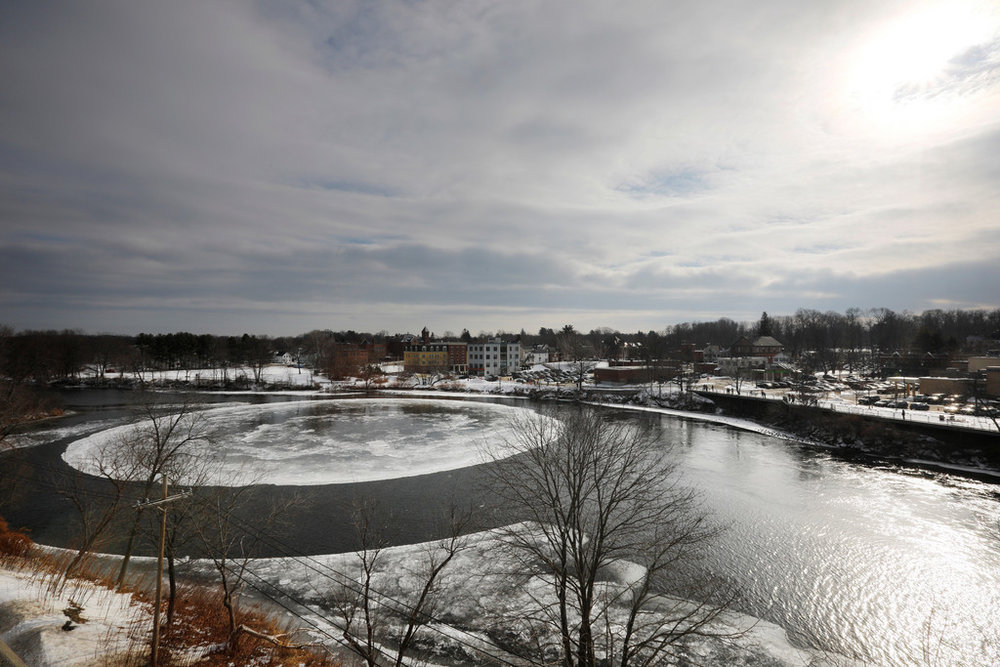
275	639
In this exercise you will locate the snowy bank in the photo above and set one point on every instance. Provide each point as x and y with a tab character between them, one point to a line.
83	624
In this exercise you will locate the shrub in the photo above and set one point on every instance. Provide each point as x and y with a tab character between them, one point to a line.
13	542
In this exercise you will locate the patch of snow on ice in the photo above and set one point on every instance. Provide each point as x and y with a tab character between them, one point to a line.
331	442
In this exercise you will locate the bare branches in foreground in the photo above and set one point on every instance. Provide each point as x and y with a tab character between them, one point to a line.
593	499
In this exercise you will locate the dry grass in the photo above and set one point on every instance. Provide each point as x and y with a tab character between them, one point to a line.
201	621
14	543
199	633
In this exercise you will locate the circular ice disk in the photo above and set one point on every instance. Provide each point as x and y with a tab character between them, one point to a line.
331	442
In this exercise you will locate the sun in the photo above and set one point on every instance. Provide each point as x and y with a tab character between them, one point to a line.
910	66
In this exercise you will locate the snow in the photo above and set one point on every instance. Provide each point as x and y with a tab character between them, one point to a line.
32	619
275	374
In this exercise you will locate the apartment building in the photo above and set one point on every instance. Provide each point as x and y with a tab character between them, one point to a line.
494	357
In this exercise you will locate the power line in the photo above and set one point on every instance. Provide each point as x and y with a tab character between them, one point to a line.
297	615
346	582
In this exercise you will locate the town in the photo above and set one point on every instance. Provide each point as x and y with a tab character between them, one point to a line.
938	366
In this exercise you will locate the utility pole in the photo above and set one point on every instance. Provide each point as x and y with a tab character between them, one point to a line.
161	505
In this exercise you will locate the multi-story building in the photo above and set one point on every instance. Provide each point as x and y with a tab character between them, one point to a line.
494	357
347	359
458	356
426	356
537	354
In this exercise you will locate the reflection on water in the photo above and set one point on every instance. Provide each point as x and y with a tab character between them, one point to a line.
887	566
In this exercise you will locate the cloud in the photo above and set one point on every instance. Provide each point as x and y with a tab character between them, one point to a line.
514	160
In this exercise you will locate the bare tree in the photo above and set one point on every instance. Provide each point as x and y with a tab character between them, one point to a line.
597	492
194	470
19	404
230	542
165	442
256	353
372	377
99	507
377	628
576	350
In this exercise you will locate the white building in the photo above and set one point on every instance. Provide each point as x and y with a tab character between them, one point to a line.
494	357
537	354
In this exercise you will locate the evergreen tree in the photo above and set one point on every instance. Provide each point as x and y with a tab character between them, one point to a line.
764	327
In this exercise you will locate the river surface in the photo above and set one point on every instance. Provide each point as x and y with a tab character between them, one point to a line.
885	565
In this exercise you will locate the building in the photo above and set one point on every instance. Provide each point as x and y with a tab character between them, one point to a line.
992	381
494	357
762	346
536	354
944	385
424	355
635	374
977	364
376	351
397	345
458	356
347	359
766	346
743	347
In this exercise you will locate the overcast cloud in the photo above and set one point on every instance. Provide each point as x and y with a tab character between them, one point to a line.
279	167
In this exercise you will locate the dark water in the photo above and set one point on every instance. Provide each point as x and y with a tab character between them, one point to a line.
882	564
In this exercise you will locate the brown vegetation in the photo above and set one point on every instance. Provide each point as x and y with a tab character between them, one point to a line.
198	620
13	543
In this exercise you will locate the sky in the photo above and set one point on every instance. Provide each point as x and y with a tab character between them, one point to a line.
277	167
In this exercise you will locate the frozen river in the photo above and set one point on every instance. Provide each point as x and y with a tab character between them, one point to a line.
882	564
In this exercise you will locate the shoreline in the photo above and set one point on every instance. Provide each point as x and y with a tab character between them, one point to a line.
873	437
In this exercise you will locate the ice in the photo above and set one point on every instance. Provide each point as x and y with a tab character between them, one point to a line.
476	598
335	441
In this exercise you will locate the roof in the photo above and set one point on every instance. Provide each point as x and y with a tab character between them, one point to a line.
767	341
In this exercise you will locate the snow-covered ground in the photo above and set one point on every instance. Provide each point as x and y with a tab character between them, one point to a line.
274	374
82	624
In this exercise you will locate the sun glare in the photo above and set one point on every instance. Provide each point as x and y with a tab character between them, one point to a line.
905	70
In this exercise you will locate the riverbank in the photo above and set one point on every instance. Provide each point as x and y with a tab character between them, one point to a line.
961	450
966	447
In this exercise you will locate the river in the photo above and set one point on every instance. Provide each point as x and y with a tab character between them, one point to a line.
886	565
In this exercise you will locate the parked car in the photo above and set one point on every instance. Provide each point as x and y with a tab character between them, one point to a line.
920	406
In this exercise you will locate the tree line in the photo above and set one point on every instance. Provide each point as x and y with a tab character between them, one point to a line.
47	356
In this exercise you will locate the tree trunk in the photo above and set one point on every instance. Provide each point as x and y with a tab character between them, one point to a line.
127	555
